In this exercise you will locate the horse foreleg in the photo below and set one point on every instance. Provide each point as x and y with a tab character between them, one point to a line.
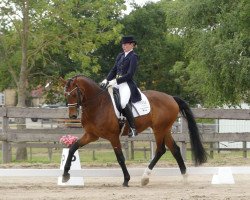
161	149
85	139
72	150
121	161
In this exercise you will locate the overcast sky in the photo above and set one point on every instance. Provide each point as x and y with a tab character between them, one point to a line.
140	2
144	1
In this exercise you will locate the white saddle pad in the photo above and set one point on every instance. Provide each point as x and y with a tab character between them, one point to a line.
142	107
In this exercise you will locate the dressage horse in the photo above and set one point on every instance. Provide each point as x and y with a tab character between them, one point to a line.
99	121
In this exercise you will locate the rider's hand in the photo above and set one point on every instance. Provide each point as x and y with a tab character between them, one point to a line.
104	84
112	82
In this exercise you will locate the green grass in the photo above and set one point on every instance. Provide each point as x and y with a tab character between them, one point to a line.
107	158
104	156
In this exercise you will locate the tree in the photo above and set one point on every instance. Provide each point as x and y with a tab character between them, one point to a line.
58	30
32	31
216	35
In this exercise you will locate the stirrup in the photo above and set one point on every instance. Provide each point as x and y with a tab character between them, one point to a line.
132	133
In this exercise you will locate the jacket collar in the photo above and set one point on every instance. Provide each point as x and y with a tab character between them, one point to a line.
128	55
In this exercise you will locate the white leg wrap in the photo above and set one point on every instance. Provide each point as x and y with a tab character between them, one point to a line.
147	171
185	178
145	176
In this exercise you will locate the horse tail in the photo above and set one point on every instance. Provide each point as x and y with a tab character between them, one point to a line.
198	151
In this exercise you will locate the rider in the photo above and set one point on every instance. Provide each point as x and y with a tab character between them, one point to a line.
121	77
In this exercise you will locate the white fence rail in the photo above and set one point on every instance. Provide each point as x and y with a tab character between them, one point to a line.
49	137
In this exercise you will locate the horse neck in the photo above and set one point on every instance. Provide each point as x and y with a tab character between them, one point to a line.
89	88
95	99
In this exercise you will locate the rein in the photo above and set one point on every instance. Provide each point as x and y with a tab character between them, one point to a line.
93	98
79	99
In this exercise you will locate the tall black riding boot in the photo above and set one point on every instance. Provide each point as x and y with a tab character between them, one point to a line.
127	111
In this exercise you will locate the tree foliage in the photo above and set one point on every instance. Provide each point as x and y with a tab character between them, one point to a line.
216	35
39	37
195	49
62	36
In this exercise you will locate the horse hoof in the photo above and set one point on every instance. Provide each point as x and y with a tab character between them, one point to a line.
65	177
144	181
185	178
125	184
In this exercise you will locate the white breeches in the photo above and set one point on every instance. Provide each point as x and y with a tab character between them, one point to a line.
125	93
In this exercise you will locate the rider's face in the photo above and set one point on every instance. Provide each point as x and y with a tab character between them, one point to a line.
127	47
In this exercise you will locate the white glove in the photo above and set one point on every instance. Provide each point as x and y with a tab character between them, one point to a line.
103	84
112	82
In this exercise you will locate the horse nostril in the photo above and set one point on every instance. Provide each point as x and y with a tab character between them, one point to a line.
72	116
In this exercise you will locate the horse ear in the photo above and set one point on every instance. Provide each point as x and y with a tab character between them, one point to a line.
63	82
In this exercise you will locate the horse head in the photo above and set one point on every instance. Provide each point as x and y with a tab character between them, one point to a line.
80	91
74	96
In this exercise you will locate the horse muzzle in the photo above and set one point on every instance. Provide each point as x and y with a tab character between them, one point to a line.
72	116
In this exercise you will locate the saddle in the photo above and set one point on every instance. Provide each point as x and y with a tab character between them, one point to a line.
117	100
139	108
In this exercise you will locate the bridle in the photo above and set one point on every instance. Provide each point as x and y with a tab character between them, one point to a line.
79	97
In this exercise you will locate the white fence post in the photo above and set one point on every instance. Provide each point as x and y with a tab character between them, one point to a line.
6	146
184	131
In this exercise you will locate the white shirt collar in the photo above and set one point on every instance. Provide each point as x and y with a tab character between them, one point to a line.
126	53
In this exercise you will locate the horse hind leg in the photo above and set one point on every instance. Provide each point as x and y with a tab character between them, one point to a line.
175	150
160	150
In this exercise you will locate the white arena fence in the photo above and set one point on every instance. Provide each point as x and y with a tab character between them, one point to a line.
48	136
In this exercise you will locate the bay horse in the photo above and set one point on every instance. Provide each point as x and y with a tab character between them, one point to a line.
99	121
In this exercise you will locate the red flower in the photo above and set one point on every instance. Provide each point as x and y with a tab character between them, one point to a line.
68	140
